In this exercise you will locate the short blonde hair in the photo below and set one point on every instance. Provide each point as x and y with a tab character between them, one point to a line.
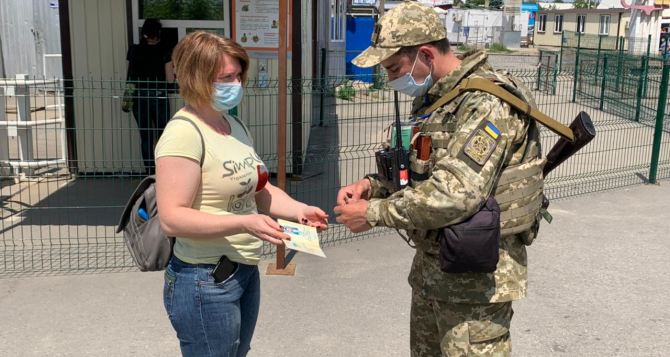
197	59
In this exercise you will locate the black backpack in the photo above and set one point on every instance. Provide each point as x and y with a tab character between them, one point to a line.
149	247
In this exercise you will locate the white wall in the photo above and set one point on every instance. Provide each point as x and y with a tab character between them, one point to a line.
480	22
29	29
107	138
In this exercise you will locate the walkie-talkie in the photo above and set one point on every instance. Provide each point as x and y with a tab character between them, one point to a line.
400	155
393	163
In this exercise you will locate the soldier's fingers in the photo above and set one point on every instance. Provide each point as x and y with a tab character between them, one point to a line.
343	196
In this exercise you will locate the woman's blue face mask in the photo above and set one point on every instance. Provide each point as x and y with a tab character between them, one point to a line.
407	84
226	95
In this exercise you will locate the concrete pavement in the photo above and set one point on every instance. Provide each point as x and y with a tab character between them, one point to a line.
598	287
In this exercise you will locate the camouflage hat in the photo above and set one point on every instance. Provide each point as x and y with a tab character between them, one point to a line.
408	24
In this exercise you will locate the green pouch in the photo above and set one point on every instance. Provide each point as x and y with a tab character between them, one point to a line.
128	94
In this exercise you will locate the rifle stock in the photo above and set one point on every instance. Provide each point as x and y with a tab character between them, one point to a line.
583	130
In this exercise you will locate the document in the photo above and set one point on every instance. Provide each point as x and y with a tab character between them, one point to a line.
303	238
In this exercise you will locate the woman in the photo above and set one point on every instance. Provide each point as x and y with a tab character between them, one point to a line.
211	206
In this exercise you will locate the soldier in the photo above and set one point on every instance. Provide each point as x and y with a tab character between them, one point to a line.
480	148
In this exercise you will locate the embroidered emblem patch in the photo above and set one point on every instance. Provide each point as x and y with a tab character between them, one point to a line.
480	146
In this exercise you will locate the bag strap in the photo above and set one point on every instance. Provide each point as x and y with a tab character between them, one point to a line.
241	124
202	139
150	180
488	86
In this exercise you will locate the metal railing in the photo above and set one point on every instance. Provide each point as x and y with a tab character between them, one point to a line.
62	217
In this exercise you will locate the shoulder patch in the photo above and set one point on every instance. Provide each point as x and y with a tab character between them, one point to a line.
492	130
480	145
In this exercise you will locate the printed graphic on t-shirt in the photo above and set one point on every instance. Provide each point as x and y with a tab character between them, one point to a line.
248	172
263	177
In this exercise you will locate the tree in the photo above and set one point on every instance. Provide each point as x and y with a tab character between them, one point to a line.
182	9
586	4
496	4
493	4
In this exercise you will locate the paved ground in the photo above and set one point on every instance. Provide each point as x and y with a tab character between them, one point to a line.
598	287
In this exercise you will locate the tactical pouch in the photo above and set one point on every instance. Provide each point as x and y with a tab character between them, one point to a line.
419	168
472	245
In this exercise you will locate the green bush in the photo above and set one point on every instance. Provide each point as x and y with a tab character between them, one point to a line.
379	81
346	92
464	47
498	47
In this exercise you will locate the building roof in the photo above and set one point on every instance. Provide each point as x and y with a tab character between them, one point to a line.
583	11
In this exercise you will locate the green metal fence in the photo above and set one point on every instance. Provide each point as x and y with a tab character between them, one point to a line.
573	44
59	213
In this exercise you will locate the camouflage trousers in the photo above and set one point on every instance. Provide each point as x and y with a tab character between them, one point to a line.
439	328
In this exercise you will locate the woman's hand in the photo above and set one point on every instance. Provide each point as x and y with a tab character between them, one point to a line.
313	216
264	228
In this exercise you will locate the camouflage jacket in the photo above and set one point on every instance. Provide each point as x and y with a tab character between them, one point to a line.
461	177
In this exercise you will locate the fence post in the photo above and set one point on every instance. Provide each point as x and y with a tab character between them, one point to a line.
658	129
280	267
602	84
546	75
600	43
539	72
560	60
645	88
640	86
619	64
576	75
554	83
322	83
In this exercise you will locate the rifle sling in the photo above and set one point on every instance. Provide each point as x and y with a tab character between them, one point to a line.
485	85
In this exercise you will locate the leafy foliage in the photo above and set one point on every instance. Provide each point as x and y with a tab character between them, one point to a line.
499	47
586	4
182	9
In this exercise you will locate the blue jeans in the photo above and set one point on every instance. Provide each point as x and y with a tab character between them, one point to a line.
212	319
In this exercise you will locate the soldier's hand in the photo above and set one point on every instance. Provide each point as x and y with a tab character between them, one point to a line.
352	215
354	192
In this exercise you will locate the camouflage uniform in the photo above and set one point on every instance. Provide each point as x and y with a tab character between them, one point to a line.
464	314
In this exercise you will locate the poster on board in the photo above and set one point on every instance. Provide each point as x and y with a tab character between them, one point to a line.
256	24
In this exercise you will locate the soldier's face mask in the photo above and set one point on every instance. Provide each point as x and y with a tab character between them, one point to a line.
407	85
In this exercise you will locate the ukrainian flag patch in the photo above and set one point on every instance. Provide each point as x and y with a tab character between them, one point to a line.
492	130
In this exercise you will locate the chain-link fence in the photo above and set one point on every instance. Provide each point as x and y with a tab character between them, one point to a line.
62	199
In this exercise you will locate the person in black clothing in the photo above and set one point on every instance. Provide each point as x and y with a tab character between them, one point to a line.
150	70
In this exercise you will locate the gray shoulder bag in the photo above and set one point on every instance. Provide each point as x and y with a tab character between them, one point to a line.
149	247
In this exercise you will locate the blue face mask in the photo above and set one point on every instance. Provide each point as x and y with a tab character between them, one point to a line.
407	85
226	96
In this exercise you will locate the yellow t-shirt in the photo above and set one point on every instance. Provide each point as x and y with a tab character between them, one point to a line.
230	174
